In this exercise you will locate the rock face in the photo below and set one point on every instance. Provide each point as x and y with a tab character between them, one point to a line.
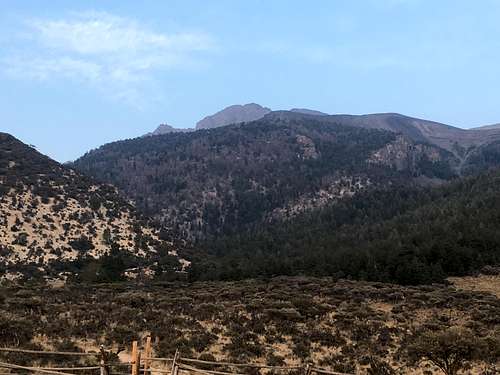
51	216
403	154
233	115
307	147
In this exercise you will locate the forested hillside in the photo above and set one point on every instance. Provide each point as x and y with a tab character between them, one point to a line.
368	197
404	235
224	180
52	219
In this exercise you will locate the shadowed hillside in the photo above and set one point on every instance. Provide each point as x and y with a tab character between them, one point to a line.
223	180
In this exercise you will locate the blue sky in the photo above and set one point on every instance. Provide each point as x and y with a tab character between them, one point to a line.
77	74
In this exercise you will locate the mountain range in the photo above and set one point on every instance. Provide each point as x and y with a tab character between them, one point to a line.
208	182
283	163
465	144
275	192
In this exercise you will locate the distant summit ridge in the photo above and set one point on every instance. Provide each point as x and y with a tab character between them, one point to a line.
166	129
306	111
232	115
453	139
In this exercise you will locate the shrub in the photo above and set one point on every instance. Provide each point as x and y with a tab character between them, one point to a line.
15	332
450	350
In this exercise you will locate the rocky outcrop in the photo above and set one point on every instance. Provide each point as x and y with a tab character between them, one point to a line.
405	154
307	147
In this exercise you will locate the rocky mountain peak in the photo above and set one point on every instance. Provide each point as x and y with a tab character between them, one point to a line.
166	129
232	115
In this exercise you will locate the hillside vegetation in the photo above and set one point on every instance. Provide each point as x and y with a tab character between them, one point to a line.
345	326
403	235
53	219
370	197
224	180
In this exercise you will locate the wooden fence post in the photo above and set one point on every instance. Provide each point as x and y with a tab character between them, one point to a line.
147	355
174	363
135	359
104	358
308	369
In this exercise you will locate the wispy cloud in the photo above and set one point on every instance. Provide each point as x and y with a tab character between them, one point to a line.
103	33
116	55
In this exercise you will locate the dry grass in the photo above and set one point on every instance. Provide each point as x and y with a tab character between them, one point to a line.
481	283
337	325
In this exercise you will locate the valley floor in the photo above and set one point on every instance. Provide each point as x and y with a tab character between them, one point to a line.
344	326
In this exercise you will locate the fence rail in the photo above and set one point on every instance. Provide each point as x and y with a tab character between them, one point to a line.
143	366
28	351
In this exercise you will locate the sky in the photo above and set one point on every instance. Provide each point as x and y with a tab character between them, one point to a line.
77	74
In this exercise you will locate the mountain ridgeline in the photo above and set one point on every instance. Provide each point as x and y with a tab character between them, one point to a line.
54	220
221	181
380	197
232	115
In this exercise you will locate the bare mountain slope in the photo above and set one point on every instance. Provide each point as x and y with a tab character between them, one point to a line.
307	111
487	127
232	115
166	129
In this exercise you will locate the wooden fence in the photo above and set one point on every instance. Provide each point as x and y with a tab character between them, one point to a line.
143	363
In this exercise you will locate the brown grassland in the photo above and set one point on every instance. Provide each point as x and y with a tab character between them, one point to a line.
345	326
